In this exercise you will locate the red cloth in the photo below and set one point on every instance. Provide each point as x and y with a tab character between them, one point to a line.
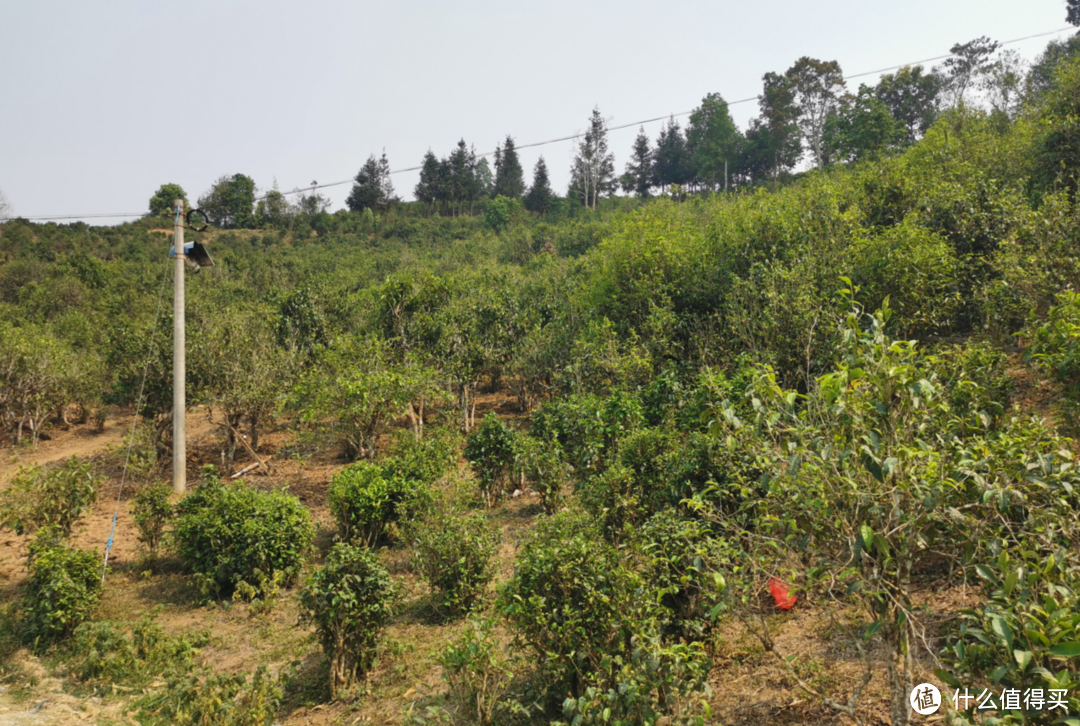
782	594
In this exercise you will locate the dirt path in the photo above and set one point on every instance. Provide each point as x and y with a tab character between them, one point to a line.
80	441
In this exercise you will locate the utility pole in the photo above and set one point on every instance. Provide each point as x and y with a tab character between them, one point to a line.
179	345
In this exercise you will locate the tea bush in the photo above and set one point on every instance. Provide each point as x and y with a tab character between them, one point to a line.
227	534
545	471
569	601
684	565
1027	633
63	589
492	450
453	554
152	511
477	672
654	683
426	459
203	697
367	500
102	654
977	383
349	601
58	496
1055	347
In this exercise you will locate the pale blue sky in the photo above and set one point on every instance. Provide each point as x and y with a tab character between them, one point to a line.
100	103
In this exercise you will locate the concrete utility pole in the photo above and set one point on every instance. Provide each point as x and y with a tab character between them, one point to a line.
179	345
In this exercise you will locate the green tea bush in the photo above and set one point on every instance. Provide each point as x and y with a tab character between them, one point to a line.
1055	345
588	428
1025	635
724	472
614	498
367	500
977	383
636	485
228	534
425	459
59	496
349	601
656	683
63	588
545	470
492	449
918	272
203	698
152	511
574	423
453	554
569	600
683	564
102	654
477	671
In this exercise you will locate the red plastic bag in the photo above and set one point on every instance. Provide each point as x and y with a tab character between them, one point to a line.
782	594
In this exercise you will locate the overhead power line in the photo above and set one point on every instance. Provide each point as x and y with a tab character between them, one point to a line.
571	137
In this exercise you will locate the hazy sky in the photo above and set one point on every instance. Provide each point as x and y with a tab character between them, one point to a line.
102	102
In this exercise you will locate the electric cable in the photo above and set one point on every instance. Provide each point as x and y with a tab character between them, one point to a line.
560	139
135	420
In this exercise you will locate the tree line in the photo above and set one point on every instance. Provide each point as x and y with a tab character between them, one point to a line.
807	115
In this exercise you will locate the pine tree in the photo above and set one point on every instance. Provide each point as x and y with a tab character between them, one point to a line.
484	178
462	184
539	198
671	161
372	188
509	176
638	176
427	190
593	172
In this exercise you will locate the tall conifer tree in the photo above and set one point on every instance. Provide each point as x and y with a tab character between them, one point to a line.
509	176
427	190
372	188
539	198
671	161
637	179
593	172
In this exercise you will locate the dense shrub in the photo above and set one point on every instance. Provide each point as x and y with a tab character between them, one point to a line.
477	671
349	601
152	511
204	697
367	500
59	496
1026	634
683	564
228	534
544	468
492	449
102	654
628	492
424	459
1055	344
569	600
453	554
588	428
61	592
656	682
977	383
919	273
